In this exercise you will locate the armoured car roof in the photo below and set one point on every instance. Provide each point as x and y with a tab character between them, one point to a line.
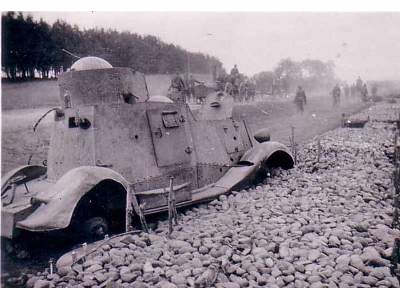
90	63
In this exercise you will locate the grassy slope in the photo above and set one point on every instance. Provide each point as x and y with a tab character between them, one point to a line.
35	94
30	94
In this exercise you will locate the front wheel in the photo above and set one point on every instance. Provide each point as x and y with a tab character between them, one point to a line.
95	228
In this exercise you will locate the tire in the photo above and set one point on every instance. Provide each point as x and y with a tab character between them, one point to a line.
95	228
261	175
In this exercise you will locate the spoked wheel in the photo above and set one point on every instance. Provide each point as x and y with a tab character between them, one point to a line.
95	228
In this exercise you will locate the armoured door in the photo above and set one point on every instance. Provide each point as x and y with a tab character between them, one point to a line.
71	145
171	146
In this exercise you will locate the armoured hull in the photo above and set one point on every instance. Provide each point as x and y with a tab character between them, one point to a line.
109	138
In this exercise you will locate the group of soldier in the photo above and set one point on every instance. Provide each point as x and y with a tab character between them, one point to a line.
243	89
358	90
184	90
235	84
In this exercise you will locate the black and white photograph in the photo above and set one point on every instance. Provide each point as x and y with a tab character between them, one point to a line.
200	149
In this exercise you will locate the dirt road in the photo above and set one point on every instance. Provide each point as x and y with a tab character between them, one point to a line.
19	141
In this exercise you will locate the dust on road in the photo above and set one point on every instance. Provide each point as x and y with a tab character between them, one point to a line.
19	141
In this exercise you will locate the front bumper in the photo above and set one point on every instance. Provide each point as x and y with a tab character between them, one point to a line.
12	214
21	208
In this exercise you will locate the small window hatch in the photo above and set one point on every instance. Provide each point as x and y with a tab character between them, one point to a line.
170	119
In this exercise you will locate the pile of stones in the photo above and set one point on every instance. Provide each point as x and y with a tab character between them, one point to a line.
325	223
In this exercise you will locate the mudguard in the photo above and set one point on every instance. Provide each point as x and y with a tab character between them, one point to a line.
60	199
15	204
260	153
21	175
240	175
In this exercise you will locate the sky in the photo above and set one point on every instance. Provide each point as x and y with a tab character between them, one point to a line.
361	44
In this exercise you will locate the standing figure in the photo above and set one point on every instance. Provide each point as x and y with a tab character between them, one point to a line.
228	89
374	92
346	91
214	73
359	83
300	99
336	95
235	71
243	88
364	93
177	89
353	91
191	84
359	87
220	82
235	87
251	89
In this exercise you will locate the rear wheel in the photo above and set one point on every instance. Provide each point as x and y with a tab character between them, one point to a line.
277	162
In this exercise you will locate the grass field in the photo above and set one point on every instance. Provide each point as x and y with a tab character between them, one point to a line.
32	94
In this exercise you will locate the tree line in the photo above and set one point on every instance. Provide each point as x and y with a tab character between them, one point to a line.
311	74
31	48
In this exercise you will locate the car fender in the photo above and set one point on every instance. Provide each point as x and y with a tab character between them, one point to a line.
25	173
59	200
252	160
240	175
260	153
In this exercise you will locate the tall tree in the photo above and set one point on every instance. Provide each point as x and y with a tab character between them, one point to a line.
288	74
31	47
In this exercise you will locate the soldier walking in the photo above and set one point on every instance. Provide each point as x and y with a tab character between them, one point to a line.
346	91
300	99
359	83
364	93
336	95
374	92
359	87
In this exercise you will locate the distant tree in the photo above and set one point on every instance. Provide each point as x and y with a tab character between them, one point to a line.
66	37
288	74
311	74
317	73
9	47
44	49
27	38
30	47
265	82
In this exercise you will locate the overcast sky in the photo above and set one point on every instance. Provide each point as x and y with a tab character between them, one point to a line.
365	44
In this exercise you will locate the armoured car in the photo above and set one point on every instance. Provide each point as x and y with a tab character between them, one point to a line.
110	137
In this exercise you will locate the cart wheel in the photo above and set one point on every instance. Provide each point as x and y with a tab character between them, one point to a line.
96	228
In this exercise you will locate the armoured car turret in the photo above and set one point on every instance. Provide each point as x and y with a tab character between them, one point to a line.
109	137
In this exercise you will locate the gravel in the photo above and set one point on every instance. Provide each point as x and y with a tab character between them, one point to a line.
321	224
